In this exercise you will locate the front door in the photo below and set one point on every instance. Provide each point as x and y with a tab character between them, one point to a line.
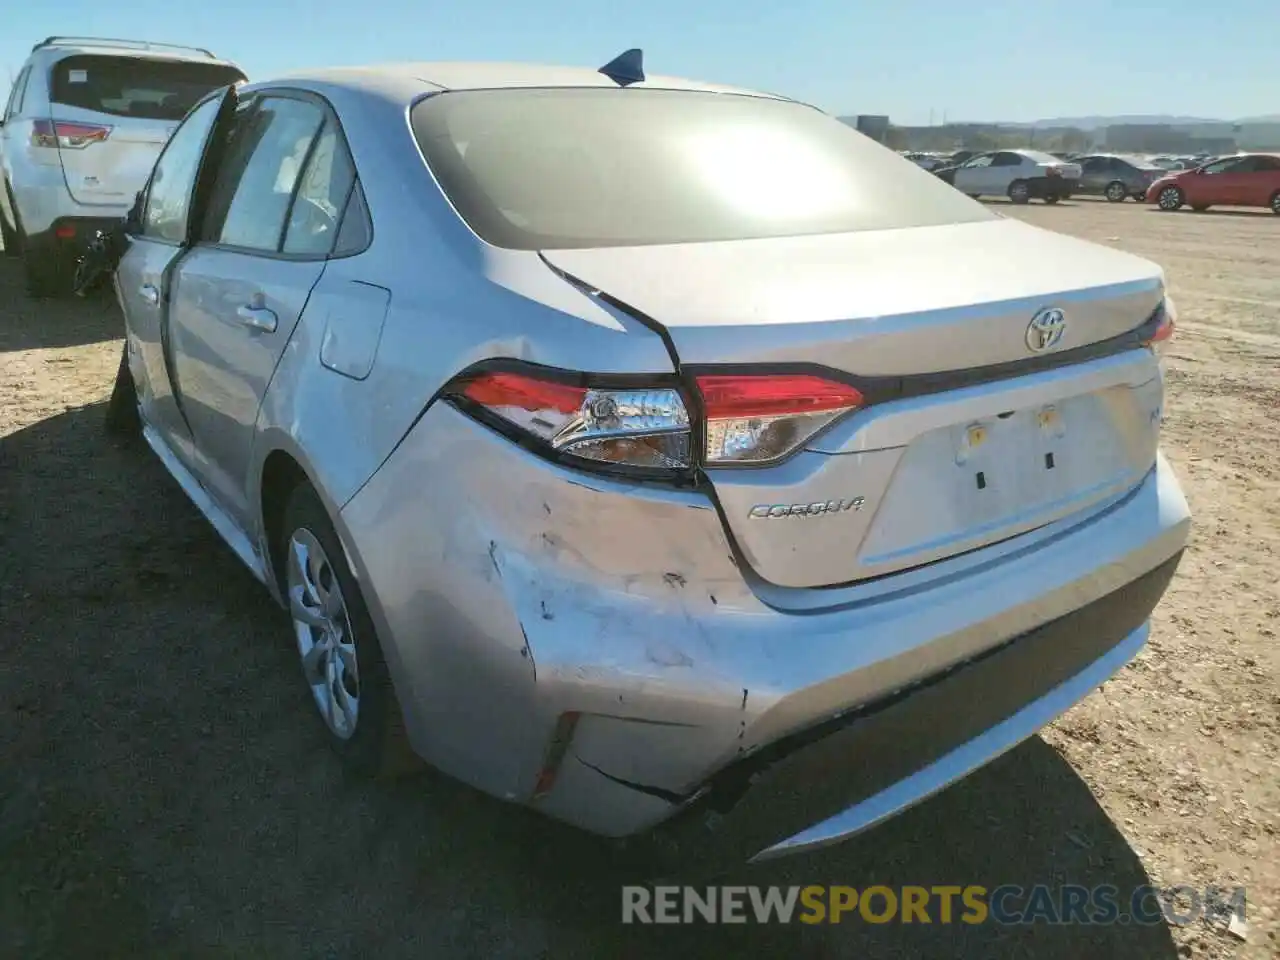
971	177
142	277
240	291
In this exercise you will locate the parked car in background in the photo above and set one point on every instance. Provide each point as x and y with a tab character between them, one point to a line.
1020	175
1248	180
652	447
85	121
1117	177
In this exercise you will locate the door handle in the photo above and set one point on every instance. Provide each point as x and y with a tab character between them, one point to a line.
149	294
257	318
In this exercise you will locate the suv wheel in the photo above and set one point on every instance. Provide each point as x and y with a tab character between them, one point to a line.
1116	191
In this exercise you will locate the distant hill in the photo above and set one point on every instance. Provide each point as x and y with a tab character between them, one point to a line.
1095	123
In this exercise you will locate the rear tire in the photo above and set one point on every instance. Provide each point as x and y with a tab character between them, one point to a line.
1116	192
1020	192
1275	203
1170	199
372	745
122	419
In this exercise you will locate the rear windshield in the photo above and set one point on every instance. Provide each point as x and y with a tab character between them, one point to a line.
1039	157
561	168
136	86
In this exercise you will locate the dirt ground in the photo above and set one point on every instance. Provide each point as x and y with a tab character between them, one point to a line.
164	791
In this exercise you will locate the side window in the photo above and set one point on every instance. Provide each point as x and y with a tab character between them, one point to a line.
168	202
254	190
322	195
356	231
1091	165
1267	164
17	93
978	162
1007	160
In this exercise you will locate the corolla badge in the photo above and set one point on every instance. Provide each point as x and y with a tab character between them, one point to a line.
1045	330
772	511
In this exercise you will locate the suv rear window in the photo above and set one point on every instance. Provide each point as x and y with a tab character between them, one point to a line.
555	168
138	87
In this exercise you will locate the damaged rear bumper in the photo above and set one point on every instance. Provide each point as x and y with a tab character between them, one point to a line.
838	779
591	648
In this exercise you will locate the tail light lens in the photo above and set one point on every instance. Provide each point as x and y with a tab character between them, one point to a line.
760	419
65	135
749	419
645	428
1053	171
1164	331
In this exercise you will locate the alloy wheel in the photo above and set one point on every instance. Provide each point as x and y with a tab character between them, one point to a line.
1170	198
1116	192
322	627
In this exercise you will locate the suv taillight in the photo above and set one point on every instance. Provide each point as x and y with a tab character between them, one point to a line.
747	419
67	135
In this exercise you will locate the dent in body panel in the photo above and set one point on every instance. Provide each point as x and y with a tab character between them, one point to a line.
517	591
576	570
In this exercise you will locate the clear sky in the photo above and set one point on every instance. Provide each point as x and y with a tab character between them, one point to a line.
972	59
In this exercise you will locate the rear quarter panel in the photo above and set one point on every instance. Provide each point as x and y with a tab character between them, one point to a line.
450	302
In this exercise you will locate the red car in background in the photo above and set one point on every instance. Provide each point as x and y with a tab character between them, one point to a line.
1247	180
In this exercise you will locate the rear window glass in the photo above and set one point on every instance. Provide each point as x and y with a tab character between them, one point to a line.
561	168
135	86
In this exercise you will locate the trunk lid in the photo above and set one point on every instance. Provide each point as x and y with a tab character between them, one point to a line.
139	101
950	458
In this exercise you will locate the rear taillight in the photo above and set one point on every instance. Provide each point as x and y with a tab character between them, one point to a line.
1164	330
1053	171
67	135
760	419
747	419
645	428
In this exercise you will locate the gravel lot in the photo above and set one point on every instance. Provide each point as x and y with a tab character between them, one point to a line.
165	792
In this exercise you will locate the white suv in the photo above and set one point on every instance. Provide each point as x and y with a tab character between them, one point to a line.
85	121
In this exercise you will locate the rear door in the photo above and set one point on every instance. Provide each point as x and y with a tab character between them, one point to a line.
112	115
143	275
1005	168
271	224
1260	181
1094	174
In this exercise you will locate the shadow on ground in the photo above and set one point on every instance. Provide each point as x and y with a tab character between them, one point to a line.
69	321
165	791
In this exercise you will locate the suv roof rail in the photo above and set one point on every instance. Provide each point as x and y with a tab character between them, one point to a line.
113	42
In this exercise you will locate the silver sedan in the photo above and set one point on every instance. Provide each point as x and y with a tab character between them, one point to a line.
648	447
